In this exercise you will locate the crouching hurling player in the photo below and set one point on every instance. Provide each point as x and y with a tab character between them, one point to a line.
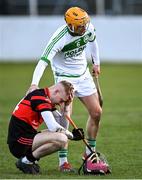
28	145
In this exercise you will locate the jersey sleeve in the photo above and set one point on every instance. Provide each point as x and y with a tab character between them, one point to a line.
40	102
55	44
38	72
94	50
92	30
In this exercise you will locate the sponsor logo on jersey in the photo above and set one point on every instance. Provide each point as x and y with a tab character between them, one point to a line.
76	47
86	38
75	52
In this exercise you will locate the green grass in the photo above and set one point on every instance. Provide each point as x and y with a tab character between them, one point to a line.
120	135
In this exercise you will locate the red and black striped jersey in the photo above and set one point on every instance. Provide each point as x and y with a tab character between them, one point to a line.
30	107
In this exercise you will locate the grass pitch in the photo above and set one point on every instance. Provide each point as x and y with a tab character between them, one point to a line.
120	135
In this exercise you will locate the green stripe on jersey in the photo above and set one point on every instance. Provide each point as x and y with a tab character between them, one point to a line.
54	41
45	59
70	75
77	43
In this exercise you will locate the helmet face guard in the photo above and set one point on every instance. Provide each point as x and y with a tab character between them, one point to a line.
77	20
79	30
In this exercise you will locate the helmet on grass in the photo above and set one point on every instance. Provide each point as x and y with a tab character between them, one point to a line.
77	20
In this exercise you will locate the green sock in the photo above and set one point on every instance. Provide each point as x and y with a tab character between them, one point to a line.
92	144
62	154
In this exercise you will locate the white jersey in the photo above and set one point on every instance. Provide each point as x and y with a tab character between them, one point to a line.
66	53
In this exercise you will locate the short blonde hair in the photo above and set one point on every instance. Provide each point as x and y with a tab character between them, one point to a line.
68	87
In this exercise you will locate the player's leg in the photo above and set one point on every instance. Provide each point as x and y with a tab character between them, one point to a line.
46	143
96	164
20	144
64	165
92	105
87	93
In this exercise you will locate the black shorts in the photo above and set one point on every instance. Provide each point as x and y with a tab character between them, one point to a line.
20	137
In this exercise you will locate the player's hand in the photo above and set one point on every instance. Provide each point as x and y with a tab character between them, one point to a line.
32	88
95	70
68	102
66	132
70	98
78	134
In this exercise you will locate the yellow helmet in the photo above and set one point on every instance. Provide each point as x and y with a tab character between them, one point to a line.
77	20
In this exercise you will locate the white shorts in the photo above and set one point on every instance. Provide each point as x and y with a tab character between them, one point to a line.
83	85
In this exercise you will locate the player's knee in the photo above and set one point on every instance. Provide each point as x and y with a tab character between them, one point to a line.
99	111
96	114
63	140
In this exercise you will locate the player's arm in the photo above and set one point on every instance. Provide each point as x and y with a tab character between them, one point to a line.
42	104
38	72
53	126
94	51
95	58
48	54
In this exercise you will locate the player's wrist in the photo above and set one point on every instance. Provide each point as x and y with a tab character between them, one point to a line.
66	132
